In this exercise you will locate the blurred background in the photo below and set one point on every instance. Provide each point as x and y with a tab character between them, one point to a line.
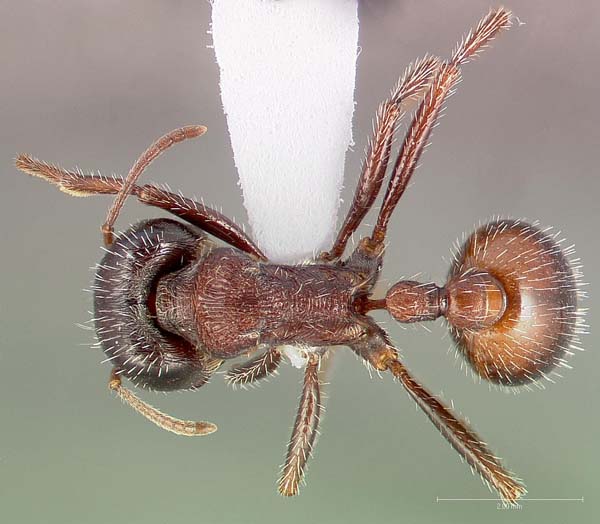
91	84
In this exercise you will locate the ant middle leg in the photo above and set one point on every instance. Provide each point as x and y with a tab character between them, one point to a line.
412	84
446	78
304	432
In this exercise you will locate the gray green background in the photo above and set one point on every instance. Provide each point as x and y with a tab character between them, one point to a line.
93	83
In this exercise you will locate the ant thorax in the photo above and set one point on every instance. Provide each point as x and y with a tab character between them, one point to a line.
230	303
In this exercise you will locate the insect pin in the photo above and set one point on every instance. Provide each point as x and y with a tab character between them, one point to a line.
172	306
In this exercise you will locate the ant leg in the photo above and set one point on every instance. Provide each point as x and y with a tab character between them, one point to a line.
462	438
73	183
254	369
304	432
411	86
377	350
77	184
204	217
187	428
445	78
427	114
145	159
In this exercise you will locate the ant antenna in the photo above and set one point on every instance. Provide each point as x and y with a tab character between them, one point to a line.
145	159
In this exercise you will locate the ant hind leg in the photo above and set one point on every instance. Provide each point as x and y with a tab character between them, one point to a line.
376	349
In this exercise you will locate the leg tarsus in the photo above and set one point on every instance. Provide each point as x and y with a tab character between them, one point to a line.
304	432
462	438
378	351
75	183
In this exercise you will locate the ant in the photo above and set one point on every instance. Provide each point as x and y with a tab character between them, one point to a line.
171	306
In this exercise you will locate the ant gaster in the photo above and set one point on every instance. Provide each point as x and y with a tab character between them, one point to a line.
171	306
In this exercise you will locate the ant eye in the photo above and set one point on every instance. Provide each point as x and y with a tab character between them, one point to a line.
512	302
124	296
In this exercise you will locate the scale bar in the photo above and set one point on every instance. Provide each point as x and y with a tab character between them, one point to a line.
439	499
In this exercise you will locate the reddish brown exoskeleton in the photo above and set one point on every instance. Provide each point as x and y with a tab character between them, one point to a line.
171	306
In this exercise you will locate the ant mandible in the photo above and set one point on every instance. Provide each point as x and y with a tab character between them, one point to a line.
171	307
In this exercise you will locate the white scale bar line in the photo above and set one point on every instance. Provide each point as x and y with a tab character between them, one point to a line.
439	499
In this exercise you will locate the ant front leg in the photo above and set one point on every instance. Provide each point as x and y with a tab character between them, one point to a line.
204	217
376	349
255	369
209	220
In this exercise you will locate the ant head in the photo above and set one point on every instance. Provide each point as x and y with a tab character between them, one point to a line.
125	311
